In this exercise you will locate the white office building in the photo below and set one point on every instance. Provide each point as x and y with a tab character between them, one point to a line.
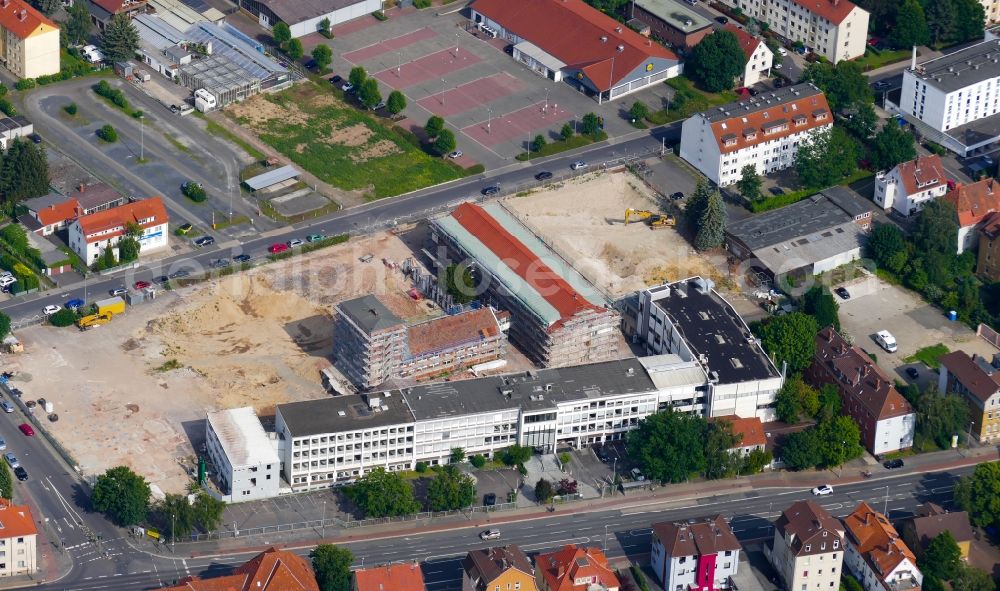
246	465
688	318
954	100
765	131
834	29
910	185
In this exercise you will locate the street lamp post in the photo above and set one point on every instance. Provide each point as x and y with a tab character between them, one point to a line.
173	538
885	505
399	62
604	546
442	92
489	118
142	138
323	535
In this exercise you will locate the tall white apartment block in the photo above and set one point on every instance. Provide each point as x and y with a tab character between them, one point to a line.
765	131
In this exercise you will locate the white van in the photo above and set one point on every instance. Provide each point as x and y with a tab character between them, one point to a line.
885	340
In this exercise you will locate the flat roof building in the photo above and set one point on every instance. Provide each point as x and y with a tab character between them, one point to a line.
304	16
673	21
247	467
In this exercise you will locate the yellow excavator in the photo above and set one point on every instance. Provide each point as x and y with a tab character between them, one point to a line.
93	320
655	220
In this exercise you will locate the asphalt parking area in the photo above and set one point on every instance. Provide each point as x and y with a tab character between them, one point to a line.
285	509
586	467
498	482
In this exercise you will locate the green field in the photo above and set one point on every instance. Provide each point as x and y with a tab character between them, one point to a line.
929	356
343	146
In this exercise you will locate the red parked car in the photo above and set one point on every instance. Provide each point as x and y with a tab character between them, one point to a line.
26	429
277	247
141	284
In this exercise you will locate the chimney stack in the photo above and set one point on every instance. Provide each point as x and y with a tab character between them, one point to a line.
913	60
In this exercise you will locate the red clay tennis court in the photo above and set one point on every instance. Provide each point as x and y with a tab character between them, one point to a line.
429	67
522	124
376	49
471	94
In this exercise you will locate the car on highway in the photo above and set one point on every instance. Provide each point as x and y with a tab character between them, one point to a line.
490	534
912	373
180	273
543	176
26	429
204	241
184	228
676	196
11	460
277	247
118	291
51	309
21	473
75	304
843	293
455	154
893	464
489	499
314	237
823	490
491	190
142	284
6	406
578	165
241	258
294	242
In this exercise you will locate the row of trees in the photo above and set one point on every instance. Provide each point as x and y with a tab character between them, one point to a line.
442	140
387	494
933	21
673	446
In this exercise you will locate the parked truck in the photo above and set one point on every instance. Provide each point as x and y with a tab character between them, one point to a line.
110	306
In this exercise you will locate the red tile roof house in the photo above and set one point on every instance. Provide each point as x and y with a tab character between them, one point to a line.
570	40
405	576
748	431
973	204
89	235
886	419
759	57
696	555
575	568
53	212
271	570
876	554
910	185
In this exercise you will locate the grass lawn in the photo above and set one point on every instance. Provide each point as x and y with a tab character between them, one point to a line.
687	101
341	145
873	61
776	201
576	141
928	355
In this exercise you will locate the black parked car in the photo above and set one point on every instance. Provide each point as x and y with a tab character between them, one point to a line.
602	454
21	473
491	190
543	176
721	20
843	293
204	241
489	500
677	196
912	372
241	258
893	464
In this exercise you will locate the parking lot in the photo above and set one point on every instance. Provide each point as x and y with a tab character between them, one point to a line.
876	305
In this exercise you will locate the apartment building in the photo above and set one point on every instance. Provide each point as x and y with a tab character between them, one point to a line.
688	318
696	555
403	576
807	550
977	381
932	520
502	567
834	29
29	41
974	204
271	570
245	463
868	395
373	346
954	99
557	316
90	235
991	9
18	540
575	568
910	185
876	555
759	56
764	131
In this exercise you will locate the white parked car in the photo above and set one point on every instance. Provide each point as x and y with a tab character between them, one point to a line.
490	534
579	164
824	490
885	340
455	154
51	309
782	51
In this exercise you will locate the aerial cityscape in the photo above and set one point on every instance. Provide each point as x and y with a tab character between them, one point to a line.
500	295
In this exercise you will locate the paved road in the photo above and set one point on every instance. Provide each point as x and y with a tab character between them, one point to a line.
625	533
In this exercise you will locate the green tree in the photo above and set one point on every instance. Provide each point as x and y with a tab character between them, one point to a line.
445	142
120	39
829	403
796	399
566	132
939	417
791	339
849	583
24	172
477	461
936	228
669	446
861	120
357	77
47	6
800	451
79	25
884	243
324	27
756	461
697	204
515	455
911	26
716	61
108	133
194	191
818	302
382	494
208	511
749	184
129	246
591	125
839	440
942	558
369	94
122	495
396	102
720	461
451	490
459	283
433	127
6	482
281	34
4	325
71	107
64	317
969	20
892	146
322	56
294	49
773	45
970	578
639	111
544	491
457	455
538	143
712	224
845	84
827	158
332	567
174	516
940	17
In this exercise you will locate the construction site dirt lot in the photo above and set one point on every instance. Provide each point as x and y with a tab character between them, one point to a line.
136	391
584	221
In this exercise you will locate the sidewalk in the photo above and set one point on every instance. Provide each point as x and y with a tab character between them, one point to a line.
668	494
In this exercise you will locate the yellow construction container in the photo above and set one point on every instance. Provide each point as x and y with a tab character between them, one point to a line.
111	306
